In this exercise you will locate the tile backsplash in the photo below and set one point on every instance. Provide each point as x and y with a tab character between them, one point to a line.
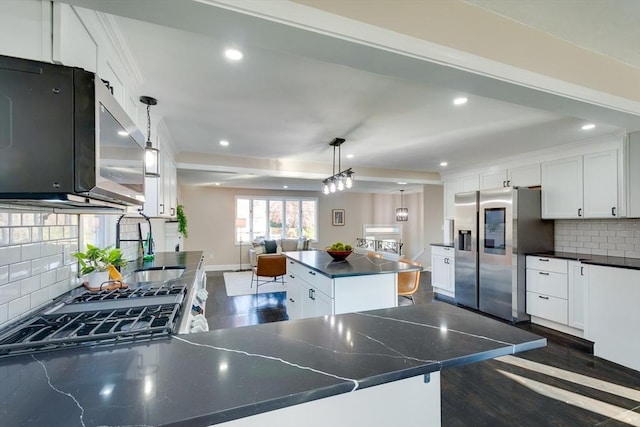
36	262
612	237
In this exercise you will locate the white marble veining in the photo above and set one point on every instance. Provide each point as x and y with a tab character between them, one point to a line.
438	327
57	390
264	356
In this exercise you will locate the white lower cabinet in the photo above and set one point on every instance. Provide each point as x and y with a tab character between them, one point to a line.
577	294
555	294
443	270
294	297
613	317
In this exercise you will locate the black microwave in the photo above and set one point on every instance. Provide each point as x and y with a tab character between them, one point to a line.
65	140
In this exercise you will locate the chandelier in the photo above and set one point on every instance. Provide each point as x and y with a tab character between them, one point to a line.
341	180
402	213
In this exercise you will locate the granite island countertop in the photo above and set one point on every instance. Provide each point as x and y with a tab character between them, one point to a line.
212	377
356	264
602	260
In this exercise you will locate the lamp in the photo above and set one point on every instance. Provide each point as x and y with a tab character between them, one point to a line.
151	163
402	213
341	180
240	223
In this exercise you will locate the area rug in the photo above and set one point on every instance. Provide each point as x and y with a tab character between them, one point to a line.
239	283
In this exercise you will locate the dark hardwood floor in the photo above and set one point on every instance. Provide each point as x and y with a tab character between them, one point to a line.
562	384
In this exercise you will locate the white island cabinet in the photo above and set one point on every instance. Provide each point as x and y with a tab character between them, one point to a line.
318	286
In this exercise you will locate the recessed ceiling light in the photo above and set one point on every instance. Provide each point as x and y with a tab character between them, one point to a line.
285	186
444	164
402	183
217	184
233	54
460	101
224	143
588	126
349	156
123	133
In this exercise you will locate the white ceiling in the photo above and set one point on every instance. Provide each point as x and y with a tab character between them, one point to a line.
286	103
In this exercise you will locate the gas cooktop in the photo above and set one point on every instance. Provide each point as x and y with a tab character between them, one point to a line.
101	326
148	290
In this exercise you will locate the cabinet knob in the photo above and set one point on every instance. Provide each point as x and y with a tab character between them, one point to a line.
292	276
542	297
312	273
292	300
543	273
543	259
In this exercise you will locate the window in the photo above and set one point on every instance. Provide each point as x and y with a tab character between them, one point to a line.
276	218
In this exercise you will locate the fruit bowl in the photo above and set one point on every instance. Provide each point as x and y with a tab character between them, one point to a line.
339	255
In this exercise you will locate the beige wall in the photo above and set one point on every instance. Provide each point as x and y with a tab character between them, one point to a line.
211	214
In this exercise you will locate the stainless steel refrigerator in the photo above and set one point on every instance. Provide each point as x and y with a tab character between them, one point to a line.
494	230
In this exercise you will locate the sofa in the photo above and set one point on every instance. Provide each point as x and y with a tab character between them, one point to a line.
276	246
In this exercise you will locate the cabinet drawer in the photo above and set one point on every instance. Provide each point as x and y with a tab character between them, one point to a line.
547	283
319	281
547	264
443	251
547	307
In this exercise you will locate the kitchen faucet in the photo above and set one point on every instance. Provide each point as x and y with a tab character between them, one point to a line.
146	244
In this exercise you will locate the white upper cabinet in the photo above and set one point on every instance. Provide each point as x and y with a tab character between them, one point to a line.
524	176
601	185
451	187
25	29
491	180
73	45
581	186
562	188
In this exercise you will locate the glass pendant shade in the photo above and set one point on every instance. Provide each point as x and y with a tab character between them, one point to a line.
151	164
402	214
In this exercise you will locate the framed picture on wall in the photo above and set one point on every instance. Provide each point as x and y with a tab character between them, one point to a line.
337	216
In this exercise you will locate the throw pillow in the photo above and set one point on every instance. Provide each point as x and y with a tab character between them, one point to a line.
270	246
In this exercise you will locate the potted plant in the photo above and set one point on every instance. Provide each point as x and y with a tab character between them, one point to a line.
182	221
96	263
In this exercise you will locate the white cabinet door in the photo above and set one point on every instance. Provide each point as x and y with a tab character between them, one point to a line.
442	267
612	314
323	304
562	188
576	297
294	294
25	29
524	176
491	180
601	184
451	187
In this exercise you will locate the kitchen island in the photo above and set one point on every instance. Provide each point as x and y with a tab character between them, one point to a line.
346	369
317	285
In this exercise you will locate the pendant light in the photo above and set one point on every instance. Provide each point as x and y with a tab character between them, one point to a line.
402	213
151	155
342	179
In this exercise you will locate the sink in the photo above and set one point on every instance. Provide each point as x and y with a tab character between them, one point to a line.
158	274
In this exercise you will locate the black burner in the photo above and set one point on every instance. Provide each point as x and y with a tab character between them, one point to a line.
56	331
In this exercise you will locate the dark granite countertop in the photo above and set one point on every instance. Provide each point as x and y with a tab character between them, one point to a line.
444	245
212	377
357	264
603	260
